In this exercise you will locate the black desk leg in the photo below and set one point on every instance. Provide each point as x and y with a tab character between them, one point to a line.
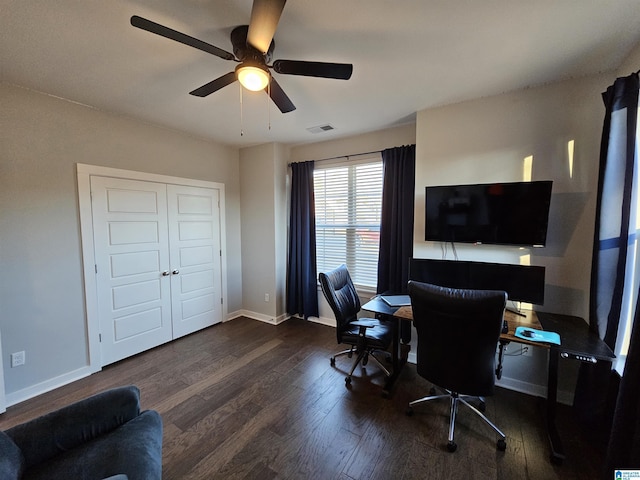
501	345
557	452
398	363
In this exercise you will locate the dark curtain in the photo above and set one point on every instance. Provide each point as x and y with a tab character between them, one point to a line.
396	225
624	442
302	293
623	450
615	211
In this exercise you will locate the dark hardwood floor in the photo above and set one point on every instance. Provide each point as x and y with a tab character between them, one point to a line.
248	400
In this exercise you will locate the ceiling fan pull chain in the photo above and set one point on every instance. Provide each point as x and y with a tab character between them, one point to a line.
269	104
241	122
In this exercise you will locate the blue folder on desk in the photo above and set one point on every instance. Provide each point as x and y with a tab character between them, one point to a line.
534	335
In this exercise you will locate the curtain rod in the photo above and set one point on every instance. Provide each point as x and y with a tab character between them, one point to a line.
342	156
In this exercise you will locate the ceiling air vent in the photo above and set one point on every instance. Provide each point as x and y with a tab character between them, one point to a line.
320	128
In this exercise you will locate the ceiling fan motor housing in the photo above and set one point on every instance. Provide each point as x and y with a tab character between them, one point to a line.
245	52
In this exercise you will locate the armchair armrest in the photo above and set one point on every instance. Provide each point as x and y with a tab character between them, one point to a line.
62	430
365	322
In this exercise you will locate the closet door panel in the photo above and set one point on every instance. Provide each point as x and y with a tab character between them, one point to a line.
194	241
131	253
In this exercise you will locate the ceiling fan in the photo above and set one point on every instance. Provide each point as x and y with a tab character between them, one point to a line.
252	48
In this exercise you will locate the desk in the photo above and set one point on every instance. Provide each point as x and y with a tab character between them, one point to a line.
577	343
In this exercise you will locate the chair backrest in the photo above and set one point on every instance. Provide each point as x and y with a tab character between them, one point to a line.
341	295
458	331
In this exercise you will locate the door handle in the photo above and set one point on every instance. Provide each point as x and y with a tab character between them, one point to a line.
176	271
165	273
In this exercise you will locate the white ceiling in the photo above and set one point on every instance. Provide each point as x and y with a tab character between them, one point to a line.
408	55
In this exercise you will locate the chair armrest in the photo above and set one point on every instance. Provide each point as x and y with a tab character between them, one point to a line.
366	323
67	428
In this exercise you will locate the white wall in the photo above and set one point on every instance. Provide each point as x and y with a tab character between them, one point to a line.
281	200
41	289
487	140
263	205
631	63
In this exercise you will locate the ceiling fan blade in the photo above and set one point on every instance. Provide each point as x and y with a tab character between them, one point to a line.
341	71
214	85
265	15
172	34
279	97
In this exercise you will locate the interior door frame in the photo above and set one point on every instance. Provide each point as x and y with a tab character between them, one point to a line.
84	174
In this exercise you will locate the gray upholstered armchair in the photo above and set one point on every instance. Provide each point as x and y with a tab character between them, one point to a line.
103	436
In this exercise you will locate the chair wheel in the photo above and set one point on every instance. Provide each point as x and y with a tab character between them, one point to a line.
347	380
502	445
332	360
451	446
409	412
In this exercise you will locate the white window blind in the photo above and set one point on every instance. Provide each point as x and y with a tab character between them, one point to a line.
348	199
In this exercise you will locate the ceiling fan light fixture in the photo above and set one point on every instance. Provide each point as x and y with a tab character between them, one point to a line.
252	77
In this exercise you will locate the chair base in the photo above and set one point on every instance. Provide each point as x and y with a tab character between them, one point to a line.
455	399
363	357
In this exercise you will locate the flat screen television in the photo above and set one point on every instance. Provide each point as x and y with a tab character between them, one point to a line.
523	283
515	213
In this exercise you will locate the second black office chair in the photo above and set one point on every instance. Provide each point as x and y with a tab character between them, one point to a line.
365	336
458	331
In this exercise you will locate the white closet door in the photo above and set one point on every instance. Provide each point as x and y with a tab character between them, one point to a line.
132	266
194	243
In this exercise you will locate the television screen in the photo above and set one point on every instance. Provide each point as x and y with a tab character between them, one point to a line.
515	213
523	283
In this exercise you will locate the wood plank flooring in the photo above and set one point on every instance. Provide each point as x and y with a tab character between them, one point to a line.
248	400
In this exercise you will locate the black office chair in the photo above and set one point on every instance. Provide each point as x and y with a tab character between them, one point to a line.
458	331
365	335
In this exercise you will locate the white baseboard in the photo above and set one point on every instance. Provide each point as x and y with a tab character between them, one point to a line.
233	315
258	316
44	387
411	358
329	322
564	397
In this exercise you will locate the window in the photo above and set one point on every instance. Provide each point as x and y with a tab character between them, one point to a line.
632	273
348	200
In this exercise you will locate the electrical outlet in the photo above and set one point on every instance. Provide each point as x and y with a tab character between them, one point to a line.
17	359
527	350
266	297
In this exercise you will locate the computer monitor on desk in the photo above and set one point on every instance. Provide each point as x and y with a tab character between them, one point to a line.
523	283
